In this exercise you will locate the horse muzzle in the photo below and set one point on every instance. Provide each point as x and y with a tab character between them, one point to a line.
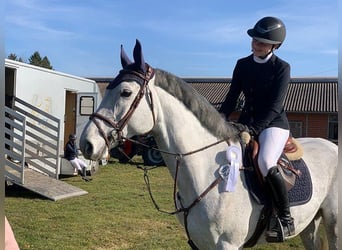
93	147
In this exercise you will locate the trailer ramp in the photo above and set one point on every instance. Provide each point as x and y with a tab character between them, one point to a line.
47	186
32	153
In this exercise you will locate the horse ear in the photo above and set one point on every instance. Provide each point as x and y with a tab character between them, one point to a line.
138	56
125	61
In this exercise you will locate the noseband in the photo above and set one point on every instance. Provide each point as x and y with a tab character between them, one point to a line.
118	126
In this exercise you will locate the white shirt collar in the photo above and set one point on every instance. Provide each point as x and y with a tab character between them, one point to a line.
262	60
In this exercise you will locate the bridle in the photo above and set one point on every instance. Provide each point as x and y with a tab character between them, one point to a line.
118	126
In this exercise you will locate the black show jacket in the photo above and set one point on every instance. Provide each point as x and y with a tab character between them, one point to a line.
264	86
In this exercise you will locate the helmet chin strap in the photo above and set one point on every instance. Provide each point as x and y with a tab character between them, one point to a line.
274	47
270	52
263	57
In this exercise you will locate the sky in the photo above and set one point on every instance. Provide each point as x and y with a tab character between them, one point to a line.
189	38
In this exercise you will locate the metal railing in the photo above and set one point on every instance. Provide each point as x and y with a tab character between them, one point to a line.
15	133
40	144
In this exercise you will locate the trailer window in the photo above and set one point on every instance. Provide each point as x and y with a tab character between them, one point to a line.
86	105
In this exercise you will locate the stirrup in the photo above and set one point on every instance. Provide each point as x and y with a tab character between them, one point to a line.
276	232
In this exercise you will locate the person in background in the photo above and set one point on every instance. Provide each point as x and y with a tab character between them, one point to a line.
263	78
71	154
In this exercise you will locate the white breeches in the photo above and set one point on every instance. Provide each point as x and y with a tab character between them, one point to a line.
271	145
78	164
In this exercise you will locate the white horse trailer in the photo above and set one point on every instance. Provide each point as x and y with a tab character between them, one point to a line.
54	105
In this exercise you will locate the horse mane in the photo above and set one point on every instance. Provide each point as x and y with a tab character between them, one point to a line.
209	117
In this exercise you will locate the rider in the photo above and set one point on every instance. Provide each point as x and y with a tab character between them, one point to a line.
263	78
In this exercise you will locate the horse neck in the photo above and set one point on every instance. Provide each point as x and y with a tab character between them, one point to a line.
178	131
177	127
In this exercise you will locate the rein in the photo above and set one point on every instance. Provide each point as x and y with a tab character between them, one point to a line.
179	158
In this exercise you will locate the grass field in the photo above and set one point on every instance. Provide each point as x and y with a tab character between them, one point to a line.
116	214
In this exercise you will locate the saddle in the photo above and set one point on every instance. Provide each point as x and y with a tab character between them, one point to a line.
292	151
294	171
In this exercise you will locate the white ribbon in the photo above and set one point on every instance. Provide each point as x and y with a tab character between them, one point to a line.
231	174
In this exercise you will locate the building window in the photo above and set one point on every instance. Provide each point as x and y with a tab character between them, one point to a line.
296	129
86	105
333	127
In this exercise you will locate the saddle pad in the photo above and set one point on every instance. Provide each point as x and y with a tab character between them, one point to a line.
302	190
298	195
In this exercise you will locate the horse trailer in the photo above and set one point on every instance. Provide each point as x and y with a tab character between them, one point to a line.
43	107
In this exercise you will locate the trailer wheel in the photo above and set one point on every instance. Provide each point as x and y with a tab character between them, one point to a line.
152	158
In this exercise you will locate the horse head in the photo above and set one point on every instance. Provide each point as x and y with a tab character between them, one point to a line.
126	102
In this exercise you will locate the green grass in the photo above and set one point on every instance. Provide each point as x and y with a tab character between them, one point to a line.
116	214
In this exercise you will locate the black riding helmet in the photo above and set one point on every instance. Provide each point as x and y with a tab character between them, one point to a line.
269	30
72	137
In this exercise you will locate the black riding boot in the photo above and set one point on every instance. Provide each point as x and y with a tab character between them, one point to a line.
285	228
84	174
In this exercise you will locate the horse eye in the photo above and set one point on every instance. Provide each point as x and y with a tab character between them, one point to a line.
126	93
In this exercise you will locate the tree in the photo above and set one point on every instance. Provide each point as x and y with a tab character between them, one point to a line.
36	60
46	63
14	57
